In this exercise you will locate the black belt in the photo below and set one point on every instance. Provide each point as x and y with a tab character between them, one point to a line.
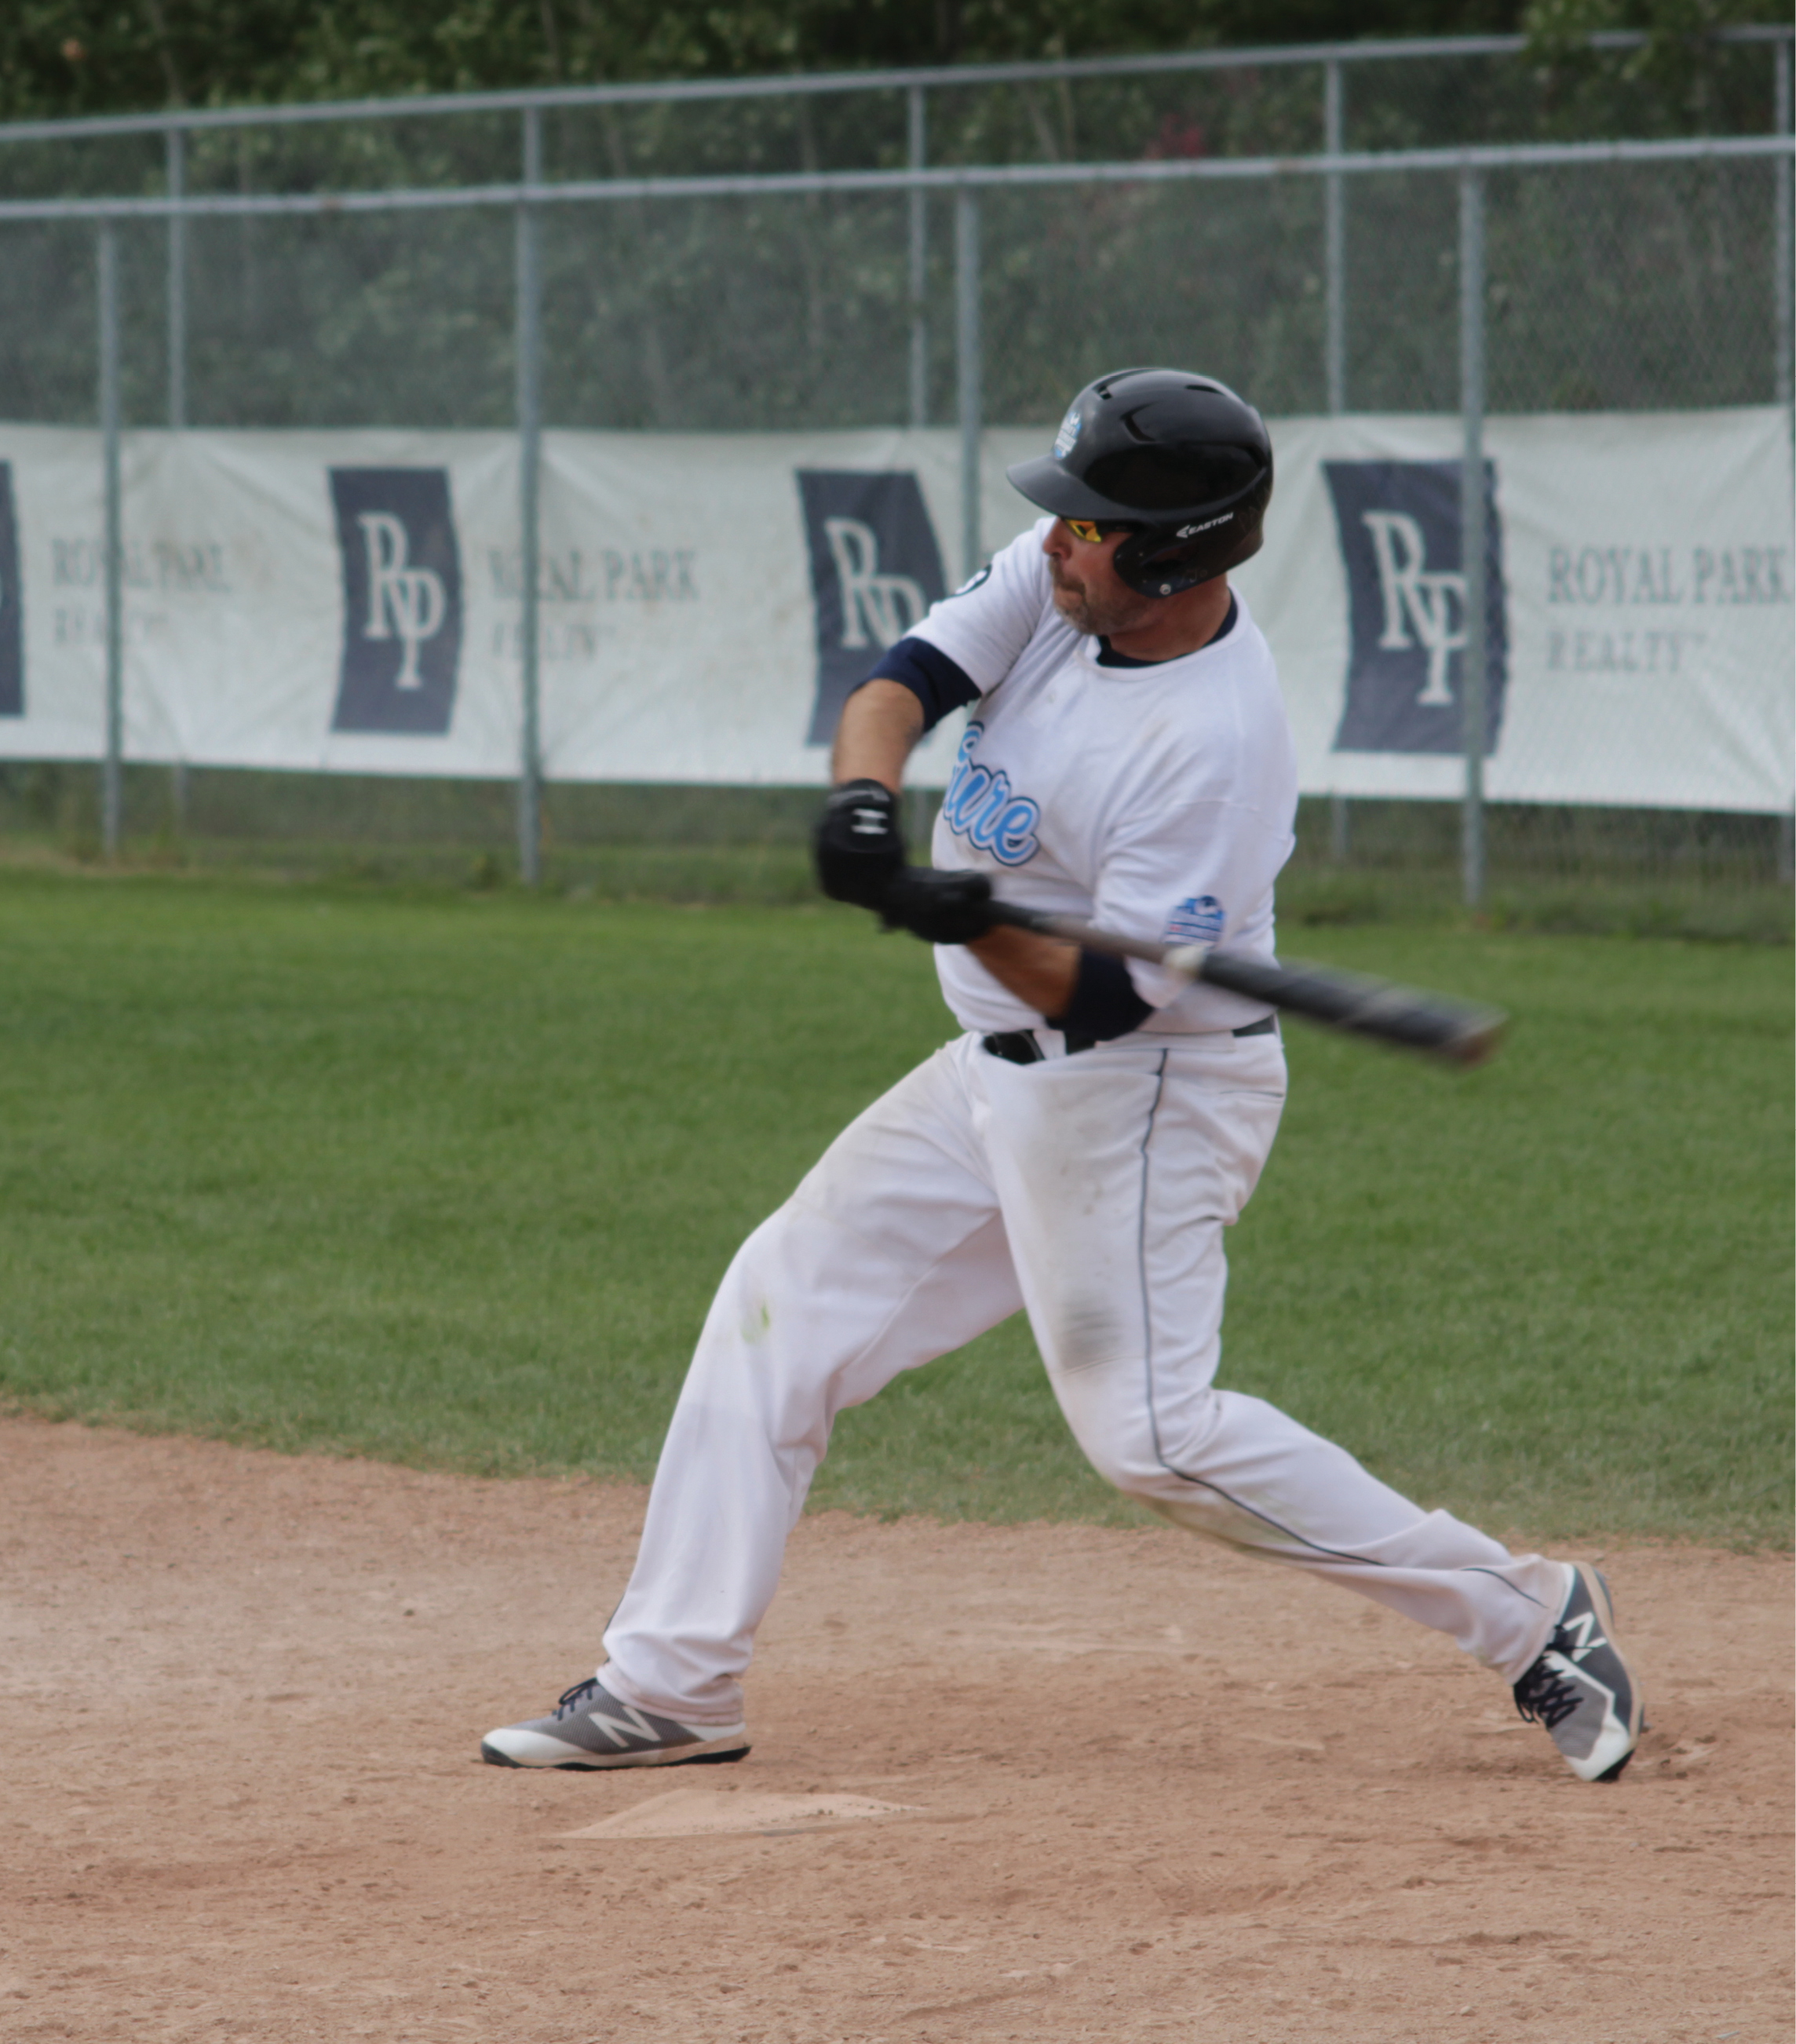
1018	1047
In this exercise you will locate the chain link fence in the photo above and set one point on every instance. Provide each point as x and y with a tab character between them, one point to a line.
360	267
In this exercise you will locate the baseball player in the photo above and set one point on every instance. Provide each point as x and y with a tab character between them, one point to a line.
1077	1150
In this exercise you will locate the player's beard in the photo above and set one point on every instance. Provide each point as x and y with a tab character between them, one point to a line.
1098	617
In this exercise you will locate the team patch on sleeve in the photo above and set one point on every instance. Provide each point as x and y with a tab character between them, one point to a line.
1196	920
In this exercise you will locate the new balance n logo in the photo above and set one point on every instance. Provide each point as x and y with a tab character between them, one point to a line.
1579	1636
629	1727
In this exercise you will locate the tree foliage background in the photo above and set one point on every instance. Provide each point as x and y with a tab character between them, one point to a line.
1620	289
65	57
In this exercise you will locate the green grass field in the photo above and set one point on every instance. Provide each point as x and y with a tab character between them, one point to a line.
448	1178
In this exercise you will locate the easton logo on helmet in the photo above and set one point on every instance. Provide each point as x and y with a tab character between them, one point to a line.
1189	532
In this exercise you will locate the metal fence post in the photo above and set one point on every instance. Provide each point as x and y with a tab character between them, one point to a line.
968	366
112	783
1340	829
177	289
1781	280
1784	375
530	471
1472	540
1334	236
919	263
1334	348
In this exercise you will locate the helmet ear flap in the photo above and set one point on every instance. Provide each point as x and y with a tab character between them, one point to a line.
1162	560
1147	562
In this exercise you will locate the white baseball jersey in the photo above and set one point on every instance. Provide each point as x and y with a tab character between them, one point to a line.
1158	800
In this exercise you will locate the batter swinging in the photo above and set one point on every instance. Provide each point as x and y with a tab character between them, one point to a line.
1079	1150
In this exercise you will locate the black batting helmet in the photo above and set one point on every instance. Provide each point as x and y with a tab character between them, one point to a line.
1177	456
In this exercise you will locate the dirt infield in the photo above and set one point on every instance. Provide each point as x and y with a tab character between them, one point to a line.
1123	1786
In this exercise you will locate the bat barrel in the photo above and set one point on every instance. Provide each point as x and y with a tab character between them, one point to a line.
1455	1029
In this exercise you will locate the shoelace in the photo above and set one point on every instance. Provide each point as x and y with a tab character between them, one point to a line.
576	1696
1544	1696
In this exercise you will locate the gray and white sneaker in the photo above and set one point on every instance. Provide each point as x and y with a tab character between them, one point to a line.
589	1727
1580	1689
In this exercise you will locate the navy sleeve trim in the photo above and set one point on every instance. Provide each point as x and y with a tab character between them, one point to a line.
938	683
1105	1003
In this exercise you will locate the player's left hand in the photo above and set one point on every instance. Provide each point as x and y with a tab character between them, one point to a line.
859	843
939	907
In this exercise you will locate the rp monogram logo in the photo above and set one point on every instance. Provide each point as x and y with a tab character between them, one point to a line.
877	609
12	625
1416	599
401	600
1398	522
404	601
874	570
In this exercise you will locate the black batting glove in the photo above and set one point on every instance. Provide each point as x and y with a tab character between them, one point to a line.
939	907
859	845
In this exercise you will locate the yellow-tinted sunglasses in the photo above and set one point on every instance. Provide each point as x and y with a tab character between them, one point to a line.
1089	531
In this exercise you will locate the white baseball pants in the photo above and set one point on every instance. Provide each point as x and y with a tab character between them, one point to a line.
1093	1191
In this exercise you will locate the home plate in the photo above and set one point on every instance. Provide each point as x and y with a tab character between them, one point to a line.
703	1813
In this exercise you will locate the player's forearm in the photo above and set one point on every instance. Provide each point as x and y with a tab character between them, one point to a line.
1041	972
881	722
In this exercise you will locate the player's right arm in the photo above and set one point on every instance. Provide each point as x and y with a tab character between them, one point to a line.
859	843
881	722
971	641
965	646
858	846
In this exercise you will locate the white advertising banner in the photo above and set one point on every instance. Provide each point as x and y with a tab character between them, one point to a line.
350	601
1640	619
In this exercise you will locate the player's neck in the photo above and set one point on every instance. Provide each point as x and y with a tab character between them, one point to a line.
1179	625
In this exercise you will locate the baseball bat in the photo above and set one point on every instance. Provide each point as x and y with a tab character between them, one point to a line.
1459	1032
